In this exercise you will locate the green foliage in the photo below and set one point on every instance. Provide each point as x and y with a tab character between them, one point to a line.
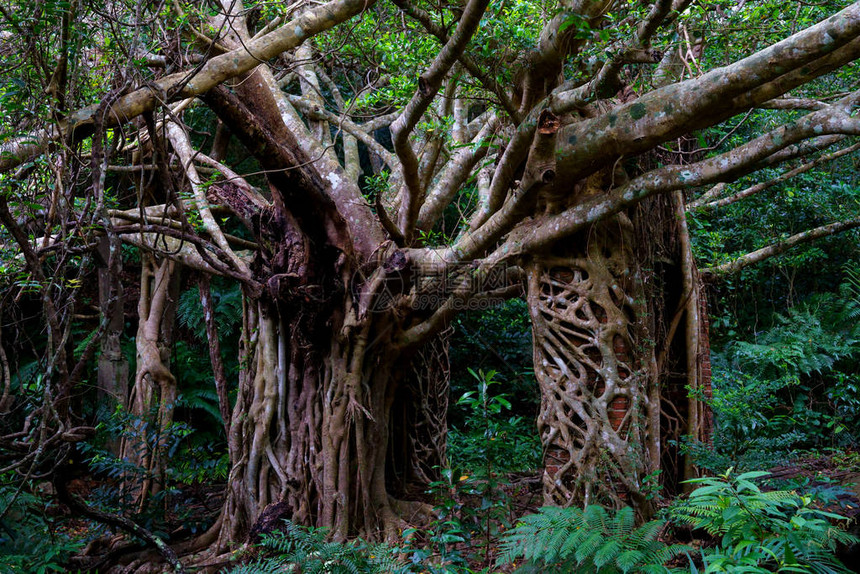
810	339
498	339
198	400
751	429
775	531
444	537
593	540
227	303
29	541
307	550
492	442
794	387
755	532
192	455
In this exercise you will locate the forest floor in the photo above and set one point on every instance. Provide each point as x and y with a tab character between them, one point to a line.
188	510
820	472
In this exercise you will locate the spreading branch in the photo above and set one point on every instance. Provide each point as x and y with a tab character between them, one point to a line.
759	187
428	86
779	248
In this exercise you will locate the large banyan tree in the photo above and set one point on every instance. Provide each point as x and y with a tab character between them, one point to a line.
365	171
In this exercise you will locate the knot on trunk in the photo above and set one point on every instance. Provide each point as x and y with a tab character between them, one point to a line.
270	520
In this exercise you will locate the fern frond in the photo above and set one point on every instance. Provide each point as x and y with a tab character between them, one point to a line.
624	520
590	540
205	400
607	552
629	559
646	533
258	567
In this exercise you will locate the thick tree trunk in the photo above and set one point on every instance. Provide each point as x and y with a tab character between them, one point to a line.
309	438
599	400
619	342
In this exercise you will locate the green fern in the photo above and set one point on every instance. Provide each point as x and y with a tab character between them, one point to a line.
204	400
593	540
227	303
811	338
761	531
258	567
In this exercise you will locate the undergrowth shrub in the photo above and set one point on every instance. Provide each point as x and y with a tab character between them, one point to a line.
29	541
754	532
193	460
793	388
307	550
490	438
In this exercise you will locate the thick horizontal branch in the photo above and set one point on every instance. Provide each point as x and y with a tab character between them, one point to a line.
779	248
188	249
542	232
683	107
793	104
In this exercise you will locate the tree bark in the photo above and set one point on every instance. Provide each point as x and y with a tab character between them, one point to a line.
153	396
112	365
311	426
620	355
595	370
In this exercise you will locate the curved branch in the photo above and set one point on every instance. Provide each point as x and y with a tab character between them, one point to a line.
351	161
539	172
118	521
285	120
559	40
453	176
636	51
802	149
480	282
134	216
380	122
314	111
182	147
485	79
752	190
183	85
177	245
779	248
512	158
